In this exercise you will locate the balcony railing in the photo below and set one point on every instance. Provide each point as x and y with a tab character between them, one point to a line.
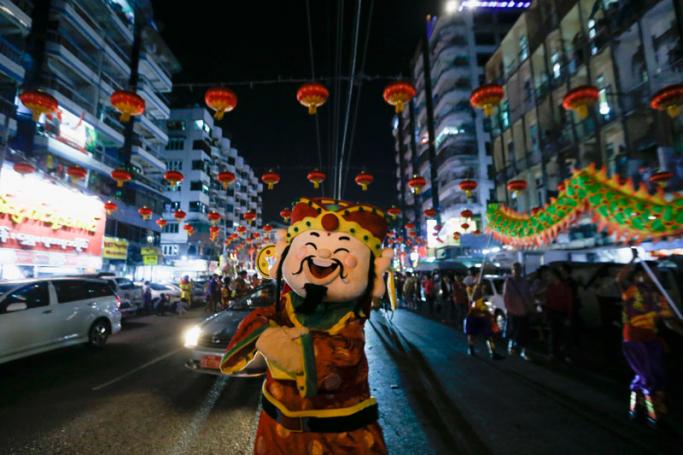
10	51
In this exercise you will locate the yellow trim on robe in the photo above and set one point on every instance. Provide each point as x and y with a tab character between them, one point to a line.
337	412
335	329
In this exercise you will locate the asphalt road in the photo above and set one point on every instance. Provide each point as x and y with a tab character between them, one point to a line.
135	397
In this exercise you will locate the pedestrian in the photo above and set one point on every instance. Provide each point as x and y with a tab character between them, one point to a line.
409	291
240	284
147	298
460	302
428	291
557	310
479	322
225	292
211	291
255	281
471	279
186	291
161	305
643	307
518	303
444	297
574	336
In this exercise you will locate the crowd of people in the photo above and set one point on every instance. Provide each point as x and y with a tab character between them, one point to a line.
220	290
551	298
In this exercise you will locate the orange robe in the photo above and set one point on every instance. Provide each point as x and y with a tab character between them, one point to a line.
334	383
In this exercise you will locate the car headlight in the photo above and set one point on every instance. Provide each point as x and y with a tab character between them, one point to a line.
191	337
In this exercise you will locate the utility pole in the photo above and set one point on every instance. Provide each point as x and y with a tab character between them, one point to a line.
429	104
129	132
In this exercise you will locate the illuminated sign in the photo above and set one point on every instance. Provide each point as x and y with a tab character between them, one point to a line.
42	222
115	248
472	4
150	255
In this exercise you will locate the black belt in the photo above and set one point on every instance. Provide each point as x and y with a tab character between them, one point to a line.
352	422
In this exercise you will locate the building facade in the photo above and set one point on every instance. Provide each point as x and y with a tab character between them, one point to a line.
80	52
198	149
459	46
628	50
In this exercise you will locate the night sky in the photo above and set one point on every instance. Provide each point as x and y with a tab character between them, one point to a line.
251	41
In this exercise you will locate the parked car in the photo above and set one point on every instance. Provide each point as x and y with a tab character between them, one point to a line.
493	297
43	314
170	290
130	293
208	340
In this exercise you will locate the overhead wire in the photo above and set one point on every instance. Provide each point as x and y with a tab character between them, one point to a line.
354	55
361	77
310	48
337	90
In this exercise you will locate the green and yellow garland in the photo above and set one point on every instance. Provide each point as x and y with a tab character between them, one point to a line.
620	208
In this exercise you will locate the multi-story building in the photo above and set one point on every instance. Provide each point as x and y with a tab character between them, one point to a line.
80	52
15	24
197	148
459	46
628	50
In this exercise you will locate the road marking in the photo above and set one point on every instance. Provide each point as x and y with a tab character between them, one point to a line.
135	370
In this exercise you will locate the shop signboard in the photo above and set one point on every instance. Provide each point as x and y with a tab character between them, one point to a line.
43	223
115	248
150	255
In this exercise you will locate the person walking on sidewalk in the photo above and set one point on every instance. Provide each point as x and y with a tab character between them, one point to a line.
643	307
518	302
557	309
409	291
428	291
460	302
479	322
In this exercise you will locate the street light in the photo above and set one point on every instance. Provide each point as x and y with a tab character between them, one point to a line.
451	6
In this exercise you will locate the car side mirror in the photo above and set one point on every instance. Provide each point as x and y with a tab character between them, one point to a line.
16	306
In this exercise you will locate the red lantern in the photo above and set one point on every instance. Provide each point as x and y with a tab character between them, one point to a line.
286	214
412	234
477	232
398	94
179	215
121	176
580	100
465	226
173	178
76	173
316	177
24	167
128	104
535	211
226	178
468	185
363	179
417	183
393	211
241	229
220	100
161	223
668	99
39	103
312	95
487	97
267	228
189	229
110	207
214	217
249	216
430	213
271	179
213	232
661	178
410	226
437	228
145	212
517	185
467	213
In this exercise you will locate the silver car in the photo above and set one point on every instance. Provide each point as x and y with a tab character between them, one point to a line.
208	340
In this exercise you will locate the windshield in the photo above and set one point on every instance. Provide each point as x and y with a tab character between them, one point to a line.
6	287
158	287
259	297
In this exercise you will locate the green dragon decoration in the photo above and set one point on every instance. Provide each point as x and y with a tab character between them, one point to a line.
631	214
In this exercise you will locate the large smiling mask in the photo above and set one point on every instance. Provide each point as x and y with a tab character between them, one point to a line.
333	244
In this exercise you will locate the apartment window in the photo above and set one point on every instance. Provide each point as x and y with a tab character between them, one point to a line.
485	39
170	228
201	145
556	65
603	104
523	48
201	125
539	189
198	185
174	165
505	114
231	161
533	134
175	143
175	205
482	59
170	250
198	165
175	125
197	207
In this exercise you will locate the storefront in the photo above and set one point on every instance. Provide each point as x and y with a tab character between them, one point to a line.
47	228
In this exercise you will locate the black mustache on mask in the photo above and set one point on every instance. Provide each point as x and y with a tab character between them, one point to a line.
314	297
335	260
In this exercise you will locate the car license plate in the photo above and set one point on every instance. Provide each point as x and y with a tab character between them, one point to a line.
212	362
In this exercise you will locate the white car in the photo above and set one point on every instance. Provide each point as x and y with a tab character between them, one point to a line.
170	290
493	294
43	314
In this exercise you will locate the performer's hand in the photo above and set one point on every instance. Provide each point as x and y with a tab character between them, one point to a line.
279	346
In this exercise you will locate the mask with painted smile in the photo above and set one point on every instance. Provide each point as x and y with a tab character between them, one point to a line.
335	260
